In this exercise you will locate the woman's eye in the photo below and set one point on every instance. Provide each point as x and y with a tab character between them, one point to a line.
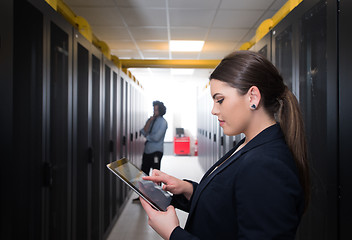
220	101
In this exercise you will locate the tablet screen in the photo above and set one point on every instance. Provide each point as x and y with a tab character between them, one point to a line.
132	176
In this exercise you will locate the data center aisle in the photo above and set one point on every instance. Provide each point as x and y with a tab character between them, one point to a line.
133	222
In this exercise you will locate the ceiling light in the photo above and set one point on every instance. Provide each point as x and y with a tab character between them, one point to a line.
186	46
182	71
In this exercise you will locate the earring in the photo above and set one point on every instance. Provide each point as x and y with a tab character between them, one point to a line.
253	106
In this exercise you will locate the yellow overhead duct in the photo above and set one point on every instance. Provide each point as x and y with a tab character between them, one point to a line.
102	46
268	24
285	10
116	61
52	3
138	63
263	29
79	22
84	28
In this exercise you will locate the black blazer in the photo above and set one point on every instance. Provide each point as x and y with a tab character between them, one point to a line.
255	194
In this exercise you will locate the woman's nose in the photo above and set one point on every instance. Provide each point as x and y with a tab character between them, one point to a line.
214	110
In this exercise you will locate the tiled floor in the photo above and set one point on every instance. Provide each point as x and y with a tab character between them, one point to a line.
133	222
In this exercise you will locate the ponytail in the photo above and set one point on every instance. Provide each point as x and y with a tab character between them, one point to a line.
291	123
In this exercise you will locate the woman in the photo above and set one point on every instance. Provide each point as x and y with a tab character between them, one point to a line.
260	188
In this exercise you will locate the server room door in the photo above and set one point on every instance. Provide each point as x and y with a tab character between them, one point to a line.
59	135
82	161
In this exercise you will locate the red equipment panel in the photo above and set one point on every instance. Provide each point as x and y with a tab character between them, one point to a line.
181	145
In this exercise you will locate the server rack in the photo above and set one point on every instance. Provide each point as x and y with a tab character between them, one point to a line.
310	48
304	49
96	149
264	46
83	167
58	128
65	123
307	59
344	120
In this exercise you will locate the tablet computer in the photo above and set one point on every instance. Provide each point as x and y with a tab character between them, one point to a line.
148	190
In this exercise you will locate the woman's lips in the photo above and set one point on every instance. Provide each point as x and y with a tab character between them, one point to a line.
221	122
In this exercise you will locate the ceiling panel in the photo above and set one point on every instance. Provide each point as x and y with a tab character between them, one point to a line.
246	4
221	34
126	54
191	17
122	45
150	54
237	18
197	4
188	33
278	4
149	33
153	45
111	33
90	3
140	3
266	15
141	29
210	46
144	17
100	16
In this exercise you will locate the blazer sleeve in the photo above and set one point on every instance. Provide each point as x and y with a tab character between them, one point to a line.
267	194
180	201
180	234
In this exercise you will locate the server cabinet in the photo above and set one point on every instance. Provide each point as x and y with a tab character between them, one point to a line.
6	111
109	180
116	191
133	124
22	128
209	129
264	46
61	126
125	124
117	114
306	58
111	185
129	136
345	119
283	54
107	146
58	130
124	116
81	142
96	151
313	96
86	199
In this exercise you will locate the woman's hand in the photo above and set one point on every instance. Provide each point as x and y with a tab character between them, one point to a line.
162	222
171	184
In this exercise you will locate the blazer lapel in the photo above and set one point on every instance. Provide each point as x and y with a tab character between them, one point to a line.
207	178
267	135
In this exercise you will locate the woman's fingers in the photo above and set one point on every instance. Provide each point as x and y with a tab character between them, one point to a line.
148	209
171	184
154	179
157	177
156	172
162	222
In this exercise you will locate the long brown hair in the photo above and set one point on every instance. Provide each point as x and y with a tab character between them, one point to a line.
244	69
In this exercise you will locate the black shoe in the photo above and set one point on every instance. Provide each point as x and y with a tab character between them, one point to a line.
136	200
